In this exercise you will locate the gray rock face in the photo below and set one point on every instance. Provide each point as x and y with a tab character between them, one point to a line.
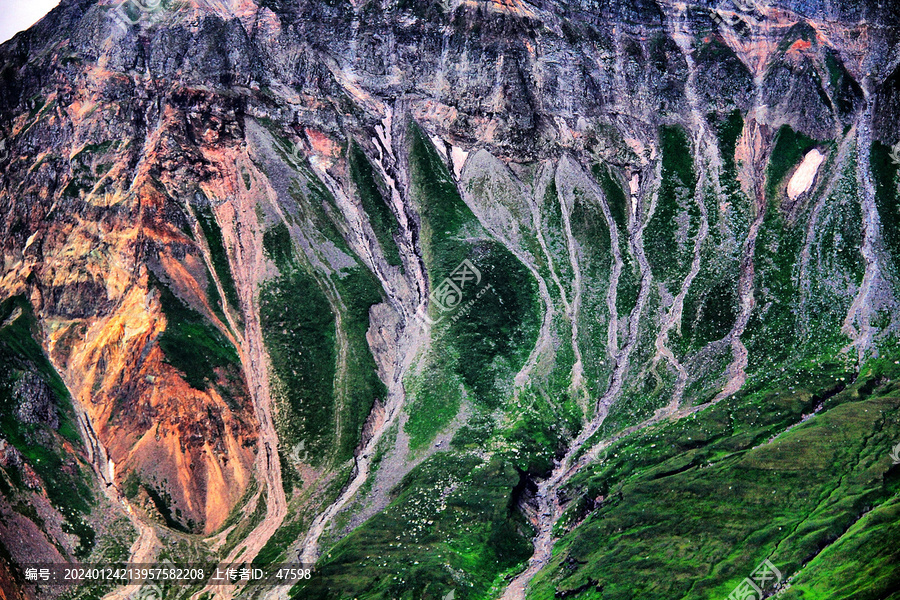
507	74
35	401
10	457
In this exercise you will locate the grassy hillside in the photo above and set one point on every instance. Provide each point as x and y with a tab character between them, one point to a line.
688	509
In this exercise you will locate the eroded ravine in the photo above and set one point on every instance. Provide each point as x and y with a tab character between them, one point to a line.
255	364
701	142
409	344
549	509
143	550
754	172
577	385
363	462
857	324
859	314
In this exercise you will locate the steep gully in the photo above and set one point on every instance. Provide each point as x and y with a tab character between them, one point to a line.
254	361
704	150
251	254
253	357
394	171
549	508
857	322
145	546
364	247
572	310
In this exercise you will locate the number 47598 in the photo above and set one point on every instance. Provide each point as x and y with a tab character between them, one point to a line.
294	573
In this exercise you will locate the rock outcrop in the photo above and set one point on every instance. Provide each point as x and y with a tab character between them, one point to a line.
245	231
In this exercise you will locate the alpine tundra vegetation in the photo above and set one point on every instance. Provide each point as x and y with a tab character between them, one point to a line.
472	299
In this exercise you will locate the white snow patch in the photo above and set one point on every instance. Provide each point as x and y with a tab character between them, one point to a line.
439	145
458	156
634	186
803	178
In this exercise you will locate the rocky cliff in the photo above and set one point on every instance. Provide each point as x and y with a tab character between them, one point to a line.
589	299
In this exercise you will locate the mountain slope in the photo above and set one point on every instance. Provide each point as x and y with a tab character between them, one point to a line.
407	288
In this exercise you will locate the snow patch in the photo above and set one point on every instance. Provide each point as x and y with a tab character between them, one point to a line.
439	145
803	178
634	186
458	156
